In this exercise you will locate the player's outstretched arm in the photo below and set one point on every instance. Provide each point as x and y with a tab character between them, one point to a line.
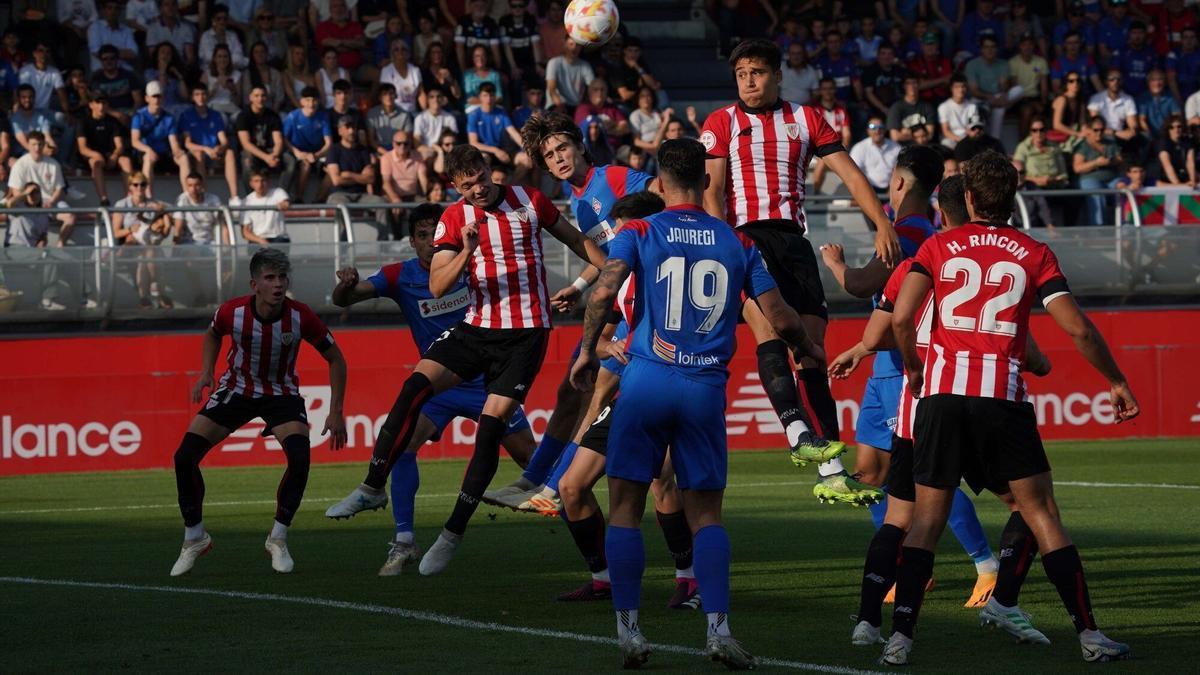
580	245
209	350
565	298
447	265
861	282
904	327
714	194
335	422
1091	345
887	244
787	324
583	371
841	367
350	289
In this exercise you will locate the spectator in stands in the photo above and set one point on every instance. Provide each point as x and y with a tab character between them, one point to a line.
800	79
491	130
385	119
1135	61
119	84
535	101
1096	161
241	15
521	41
10	47
883	81
598	105
841	68
322	10
554	34
648	124
481	72
26	120
404	77
1156	105
374	15
329	73
933	70
988	80
223	81
291	16
1191	110
155	137
1021	22
476	29
6	146
835	115
567	77
261	74
405	176
108	30
866	44
260	136
436	72
910	111
309	137
1183	66
876	154
1116	108
1042	167
742	19
1077	23
74	17
436	193
145	228
168	27
982	22
140	15
168	71
198	227
345	35
977	141
1030	72
342	107
219	34
28	230
296	75
77	95
46	80
381	46
37	166
1134	179
431	123
351	171
1070	114
954	112
265	225
1175	155
273	37
1112	29
633	73
1171	22
203	134
425	38
1073	59
101	143
445	144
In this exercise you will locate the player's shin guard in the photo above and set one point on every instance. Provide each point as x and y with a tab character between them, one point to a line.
564	463
589	539
879	573
712	567
818	399
405	480
1065	571
779	381
480	472
913	573
678	534
295	478
626	553
398	428
188	481
543	460
1018	547
964	523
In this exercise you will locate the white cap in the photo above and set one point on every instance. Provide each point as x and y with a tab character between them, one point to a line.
153	88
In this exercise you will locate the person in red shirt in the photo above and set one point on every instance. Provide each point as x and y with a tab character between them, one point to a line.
974	420
344	34
1171	21
933	70
265	330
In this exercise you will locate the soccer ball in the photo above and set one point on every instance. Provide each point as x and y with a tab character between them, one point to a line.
591	22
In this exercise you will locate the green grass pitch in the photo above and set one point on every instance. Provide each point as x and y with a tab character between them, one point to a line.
796	574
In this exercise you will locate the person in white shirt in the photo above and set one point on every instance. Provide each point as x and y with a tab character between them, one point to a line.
876	154
404	76
29	230
431	123
34	167
567	77
140	14
1192	110
77	15
198	227
265	226
219	34
169	27
954	112
108	30
1116	108
800	79
46	80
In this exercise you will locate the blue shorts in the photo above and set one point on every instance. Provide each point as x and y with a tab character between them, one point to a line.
877	417
661	409
465	400
612	365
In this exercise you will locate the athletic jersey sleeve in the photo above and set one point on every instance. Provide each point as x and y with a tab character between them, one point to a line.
887	299
636	181
925	261
825	140
758	280
1050	280
313	329
715	135
448	234
222	321
547	213
386	280
625	245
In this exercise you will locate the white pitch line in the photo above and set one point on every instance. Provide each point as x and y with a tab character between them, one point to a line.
415	615
1165	486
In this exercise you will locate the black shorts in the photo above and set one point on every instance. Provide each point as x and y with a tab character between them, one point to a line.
596	436
232	411
509	359
985	441
792	263
900	471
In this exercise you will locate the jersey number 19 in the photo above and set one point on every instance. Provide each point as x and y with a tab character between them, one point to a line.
705	295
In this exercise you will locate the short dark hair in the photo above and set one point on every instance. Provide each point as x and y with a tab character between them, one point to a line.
1137	25
194	176
986	38
425	214
542	126
925	164
310	92
106	50
489	87
757	49
637	205
958	78
25	87
198	86
830	80
343	85
952	201
389	88
464	160
681	161
992	181
260	172
36	135
271	258
220	9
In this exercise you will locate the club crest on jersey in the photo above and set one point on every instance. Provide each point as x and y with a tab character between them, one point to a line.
793	130
522	214
440	231
287	338
596	205
709	140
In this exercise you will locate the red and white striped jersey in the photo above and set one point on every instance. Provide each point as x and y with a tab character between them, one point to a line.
262	355
906	414
768	152
505	274
985	278
837	117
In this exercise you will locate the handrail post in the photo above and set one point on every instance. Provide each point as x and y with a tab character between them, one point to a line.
1024	211
1134	212
344	218
227	216
111	235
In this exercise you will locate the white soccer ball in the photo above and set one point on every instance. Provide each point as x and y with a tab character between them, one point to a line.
591	22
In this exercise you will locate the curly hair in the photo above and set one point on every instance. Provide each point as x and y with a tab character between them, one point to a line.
991	180
542	126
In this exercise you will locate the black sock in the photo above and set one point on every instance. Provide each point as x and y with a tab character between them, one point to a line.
779	381
912	575
1065	570
589	539
398	428
295	478
679	537
814	391
879	573
480	471
1018	547
188	481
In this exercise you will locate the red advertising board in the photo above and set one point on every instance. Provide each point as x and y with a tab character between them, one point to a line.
122	402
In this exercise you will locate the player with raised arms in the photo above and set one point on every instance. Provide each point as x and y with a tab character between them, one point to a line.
407	284
493	235
758	150
975	420
690	272
265	330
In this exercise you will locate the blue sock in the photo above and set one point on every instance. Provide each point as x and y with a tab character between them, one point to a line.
405	481
626	555
543	460
564	463
710	551
965	525
878	511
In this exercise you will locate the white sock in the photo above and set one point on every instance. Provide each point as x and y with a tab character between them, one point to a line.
989	566
685	574
405	538
627	623
193	531
279	530
831	468
794	430
718	623
601	576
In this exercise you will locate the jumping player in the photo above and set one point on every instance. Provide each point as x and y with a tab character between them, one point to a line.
690	271
407	284
265	330
494	237
759	149
974	420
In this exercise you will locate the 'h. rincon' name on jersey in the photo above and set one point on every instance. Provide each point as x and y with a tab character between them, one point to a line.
262	355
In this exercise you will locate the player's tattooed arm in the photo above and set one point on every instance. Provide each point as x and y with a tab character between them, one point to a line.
583	371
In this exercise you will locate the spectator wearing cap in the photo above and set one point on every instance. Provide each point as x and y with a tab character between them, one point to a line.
1174	156
632	73
955	113
108	30
122	87
1041	165
204	138
1031	73
835	64
37	166
597	105
977	140
155	137
404	77
567	78
1135	61
876	154
983	21
1156	106
168	27
265	225
491	130
933	70
220	34
883	81
1113	27
910	110
260	136
1183	66
474	30
405	176
1076	22
27	120
385	119
800	79
342	107
1073	59
309	137
988	80
521	42
100	142
1096	162
1116	108
351	171
1022	22
431	123
344	34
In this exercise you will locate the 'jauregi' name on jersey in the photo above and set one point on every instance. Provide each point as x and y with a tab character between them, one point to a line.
594	202
407	284
690	272
912	230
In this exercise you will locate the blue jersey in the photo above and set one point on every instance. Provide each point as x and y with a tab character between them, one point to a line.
202	130
306	133
690	271
912	231
592	205
156	130
407	284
